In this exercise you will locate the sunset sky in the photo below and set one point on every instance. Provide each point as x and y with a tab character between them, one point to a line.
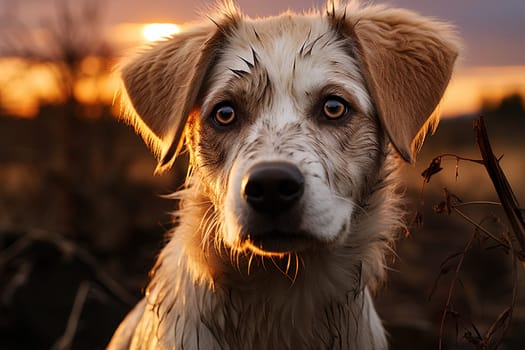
493	33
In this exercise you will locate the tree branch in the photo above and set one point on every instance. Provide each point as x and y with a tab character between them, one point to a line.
506	195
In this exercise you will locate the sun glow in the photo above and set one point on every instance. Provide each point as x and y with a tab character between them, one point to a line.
159	31
470	87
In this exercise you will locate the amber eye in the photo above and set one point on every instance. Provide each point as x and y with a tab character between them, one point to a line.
334	108
224	115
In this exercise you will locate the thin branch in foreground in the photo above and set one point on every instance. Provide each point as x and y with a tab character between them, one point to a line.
501	184
512	240
69	248
451	290
66	340
435	165
498	330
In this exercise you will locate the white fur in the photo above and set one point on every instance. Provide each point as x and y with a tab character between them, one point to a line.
326	212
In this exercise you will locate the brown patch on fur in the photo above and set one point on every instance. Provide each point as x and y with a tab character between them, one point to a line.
318	98
407	62
208	144
247	91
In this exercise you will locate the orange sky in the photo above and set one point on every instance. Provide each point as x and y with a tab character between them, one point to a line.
470	86
492	31
30	85
468	89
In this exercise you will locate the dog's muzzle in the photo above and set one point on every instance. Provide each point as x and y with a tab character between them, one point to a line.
273	191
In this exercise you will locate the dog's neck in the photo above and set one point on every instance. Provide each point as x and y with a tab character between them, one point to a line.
313	311
323	293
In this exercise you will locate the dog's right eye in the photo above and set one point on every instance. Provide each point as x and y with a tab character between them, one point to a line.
334	108
224	115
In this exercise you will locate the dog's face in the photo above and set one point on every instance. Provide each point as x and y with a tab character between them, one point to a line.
288	119
286	135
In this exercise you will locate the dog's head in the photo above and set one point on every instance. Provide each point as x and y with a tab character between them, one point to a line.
288	119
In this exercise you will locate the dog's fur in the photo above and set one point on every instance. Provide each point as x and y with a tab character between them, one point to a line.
213	286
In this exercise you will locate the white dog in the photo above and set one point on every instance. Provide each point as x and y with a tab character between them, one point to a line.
295	126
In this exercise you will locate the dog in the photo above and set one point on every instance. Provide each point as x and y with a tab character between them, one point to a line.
296	126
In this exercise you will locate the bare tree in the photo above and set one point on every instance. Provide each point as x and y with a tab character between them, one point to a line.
68	41
64	41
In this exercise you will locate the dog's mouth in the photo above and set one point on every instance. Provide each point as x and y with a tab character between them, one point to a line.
276	242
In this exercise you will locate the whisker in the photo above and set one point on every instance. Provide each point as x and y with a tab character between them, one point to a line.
352	202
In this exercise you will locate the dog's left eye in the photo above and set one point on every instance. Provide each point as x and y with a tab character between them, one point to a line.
224	115
334	108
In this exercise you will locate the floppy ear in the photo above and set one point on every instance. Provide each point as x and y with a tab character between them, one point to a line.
407	61
163	86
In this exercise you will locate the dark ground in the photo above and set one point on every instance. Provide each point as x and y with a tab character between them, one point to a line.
81	222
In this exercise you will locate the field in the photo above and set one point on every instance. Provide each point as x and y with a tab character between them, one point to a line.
82	219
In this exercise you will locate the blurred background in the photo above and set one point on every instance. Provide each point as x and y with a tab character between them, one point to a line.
82	217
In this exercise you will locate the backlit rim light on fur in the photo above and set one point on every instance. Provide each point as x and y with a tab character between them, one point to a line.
281	168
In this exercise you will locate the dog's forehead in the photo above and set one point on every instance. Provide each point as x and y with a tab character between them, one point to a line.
296	54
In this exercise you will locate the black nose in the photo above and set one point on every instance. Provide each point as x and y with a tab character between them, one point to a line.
273	187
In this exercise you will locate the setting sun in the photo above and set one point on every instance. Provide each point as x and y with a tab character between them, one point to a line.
159	31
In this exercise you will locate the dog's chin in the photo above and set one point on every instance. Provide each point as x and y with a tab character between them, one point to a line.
276	242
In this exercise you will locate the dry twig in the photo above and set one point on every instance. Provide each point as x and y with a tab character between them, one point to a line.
67	247
495	334
66	340
502	186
